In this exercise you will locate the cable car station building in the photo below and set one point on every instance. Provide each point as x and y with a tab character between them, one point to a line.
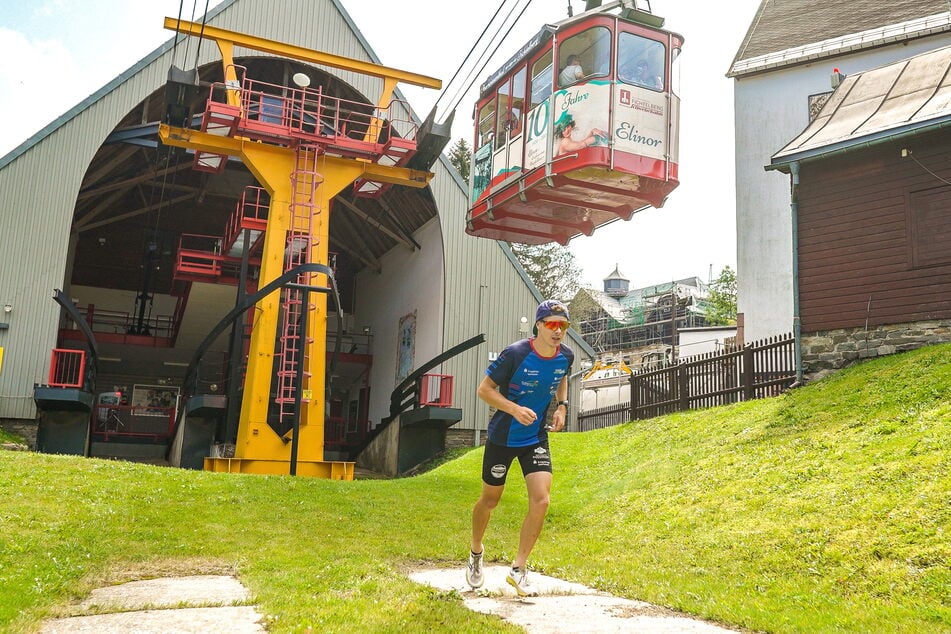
265	244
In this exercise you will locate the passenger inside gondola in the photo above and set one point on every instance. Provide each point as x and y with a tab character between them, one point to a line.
645	76
640	61
572	72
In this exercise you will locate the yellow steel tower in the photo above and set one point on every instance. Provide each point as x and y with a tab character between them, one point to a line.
303	154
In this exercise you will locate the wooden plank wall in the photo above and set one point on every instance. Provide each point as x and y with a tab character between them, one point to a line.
875	236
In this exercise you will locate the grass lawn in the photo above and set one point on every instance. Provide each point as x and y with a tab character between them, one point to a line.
824	510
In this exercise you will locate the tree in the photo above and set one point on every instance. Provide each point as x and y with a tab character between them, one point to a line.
583	307
459	156
551	267
721	305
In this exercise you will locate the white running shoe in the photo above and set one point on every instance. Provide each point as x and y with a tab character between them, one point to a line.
474	576
518	579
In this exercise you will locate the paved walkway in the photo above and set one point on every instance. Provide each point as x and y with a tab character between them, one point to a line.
213	603
563	607
173	605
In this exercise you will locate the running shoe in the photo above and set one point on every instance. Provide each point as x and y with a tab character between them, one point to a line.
518	579
474	575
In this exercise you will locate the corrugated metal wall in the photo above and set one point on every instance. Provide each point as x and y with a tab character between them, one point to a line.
39	183
485	293
40	180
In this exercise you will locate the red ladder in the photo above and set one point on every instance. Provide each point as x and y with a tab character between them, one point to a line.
300	242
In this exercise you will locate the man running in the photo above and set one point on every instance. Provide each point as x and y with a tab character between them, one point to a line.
520	384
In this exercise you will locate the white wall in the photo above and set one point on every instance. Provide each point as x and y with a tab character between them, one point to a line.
120	301
694	341
409	281
771	109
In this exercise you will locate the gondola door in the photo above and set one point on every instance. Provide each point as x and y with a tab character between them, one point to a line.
510	124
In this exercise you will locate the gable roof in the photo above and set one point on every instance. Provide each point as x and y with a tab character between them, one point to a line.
785	32
143	63
882	103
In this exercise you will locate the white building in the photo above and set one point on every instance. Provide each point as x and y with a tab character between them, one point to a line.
782	70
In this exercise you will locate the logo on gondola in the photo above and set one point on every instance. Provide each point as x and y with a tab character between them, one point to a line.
643	105
628	132
539	121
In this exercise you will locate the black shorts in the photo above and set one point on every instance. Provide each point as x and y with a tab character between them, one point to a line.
497	460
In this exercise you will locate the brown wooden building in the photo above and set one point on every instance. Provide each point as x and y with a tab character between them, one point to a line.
871	209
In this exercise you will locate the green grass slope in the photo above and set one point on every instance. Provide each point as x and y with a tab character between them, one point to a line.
824	510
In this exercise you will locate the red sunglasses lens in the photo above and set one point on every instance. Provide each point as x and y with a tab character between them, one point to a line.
556	325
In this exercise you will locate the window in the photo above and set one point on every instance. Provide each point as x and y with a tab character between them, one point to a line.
930	220
503	104
517	110
486	123
584	56
641	61
541	79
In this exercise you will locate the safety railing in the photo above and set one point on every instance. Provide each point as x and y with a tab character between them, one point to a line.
311	113
342	432
199	254
435	390
120	322
67	368
287	115
250	213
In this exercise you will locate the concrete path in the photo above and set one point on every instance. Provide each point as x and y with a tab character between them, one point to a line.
173	605
562	607
215	603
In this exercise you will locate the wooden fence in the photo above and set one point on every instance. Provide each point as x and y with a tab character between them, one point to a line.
760	369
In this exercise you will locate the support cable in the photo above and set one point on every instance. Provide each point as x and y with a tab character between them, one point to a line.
178	27
469	54
201	34
473	74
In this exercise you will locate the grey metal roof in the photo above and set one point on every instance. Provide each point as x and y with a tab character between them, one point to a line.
892	100
784	32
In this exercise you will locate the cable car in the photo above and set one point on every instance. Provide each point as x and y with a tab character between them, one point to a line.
578	129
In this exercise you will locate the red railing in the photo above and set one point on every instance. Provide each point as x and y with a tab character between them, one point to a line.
249	213
435	390
340	431
119	322
67	368
309	113
199	254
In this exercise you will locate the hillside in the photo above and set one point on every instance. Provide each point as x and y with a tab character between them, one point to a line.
826	509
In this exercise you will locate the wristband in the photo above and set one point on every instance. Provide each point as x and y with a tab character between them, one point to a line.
565	403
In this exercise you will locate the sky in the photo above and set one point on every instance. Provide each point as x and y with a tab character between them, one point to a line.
54	53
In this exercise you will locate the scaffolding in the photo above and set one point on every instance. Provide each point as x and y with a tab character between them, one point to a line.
643	323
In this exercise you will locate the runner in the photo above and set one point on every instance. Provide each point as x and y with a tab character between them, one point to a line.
520	384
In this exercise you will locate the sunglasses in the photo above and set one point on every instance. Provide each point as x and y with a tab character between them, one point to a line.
556	325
